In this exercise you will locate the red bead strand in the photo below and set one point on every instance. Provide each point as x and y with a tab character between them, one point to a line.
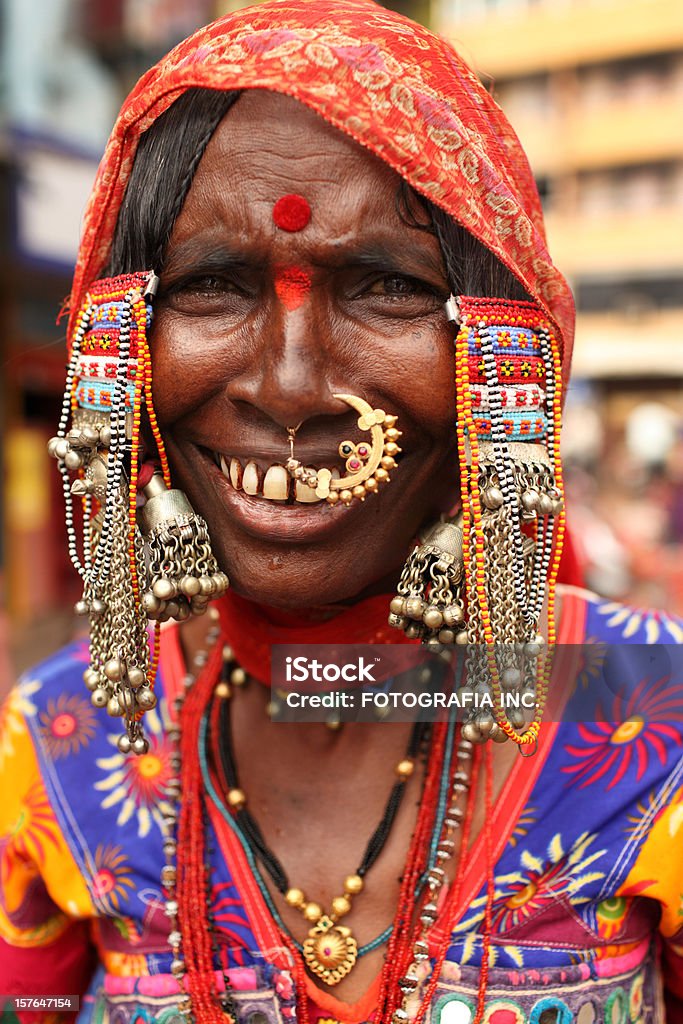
192	888
146	362
490	888
399	951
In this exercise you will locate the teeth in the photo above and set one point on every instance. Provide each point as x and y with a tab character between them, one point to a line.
276	484
235	474
250	480
302	492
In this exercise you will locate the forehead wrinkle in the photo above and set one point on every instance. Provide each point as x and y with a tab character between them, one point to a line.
252	177
264	124
352	194
282	121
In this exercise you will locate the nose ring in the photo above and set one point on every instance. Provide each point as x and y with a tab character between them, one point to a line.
291	434
367	463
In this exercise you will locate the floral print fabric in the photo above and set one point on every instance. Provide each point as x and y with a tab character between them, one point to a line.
588	878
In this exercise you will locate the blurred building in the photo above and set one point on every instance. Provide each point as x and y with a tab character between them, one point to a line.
594	89
64	75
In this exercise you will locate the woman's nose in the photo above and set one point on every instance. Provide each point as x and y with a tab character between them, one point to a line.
289	377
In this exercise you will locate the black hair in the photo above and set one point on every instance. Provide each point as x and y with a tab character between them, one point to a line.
165	164
166	161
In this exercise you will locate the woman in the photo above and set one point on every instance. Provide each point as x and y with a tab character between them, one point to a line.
286	204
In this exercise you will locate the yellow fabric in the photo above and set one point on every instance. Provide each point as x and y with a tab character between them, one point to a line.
31	843
656	874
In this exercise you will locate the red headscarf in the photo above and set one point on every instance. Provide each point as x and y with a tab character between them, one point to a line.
388	83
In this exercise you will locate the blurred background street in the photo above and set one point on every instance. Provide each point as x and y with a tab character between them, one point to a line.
595	91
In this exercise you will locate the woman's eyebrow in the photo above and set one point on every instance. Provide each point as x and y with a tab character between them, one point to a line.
380	256
193	256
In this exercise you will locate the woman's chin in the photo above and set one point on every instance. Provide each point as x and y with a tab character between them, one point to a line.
295	583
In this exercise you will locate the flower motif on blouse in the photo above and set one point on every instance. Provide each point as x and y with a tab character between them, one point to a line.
67	724
647	811
610	917
593	654
520	895
658	627
137	785
610	914
35	825
16	708
540	882
525	821
110	878
636	730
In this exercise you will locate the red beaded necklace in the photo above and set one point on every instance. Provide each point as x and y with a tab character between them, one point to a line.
190	889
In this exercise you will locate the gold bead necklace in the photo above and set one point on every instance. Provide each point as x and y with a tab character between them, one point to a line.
330	949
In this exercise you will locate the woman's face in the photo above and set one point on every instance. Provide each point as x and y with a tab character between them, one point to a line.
258	327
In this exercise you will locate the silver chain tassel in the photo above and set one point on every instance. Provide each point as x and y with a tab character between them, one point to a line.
177	572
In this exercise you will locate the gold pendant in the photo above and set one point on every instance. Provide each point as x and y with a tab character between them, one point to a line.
330	951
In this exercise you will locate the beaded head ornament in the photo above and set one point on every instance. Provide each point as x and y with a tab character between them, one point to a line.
482	579
136	565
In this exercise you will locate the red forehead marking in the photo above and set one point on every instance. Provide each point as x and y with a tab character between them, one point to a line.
291	213
292	285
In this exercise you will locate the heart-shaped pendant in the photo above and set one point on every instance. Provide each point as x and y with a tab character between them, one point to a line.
330	951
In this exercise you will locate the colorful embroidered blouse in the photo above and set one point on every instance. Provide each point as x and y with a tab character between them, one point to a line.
588	910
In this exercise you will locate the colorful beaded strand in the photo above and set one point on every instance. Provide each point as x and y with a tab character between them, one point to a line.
140	323
146	362
467	428
202	994
458	818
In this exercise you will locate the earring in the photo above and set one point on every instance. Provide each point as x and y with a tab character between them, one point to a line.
429	604
367	463
182	574
128	579
508	396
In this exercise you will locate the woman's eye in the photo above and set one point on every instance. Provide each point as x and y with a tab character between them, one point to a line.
208	284
203	294
399	295
398	285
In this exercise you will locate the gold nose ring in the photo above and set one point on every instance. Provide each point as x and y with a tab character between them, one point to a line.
367	463
291	434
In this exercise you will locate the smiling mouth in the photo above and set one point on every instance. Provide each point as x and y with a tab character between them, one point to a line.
270	482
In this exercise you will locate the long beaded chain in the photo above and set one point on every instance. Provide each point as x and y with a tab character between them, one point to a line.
456	815
169	872
330	951
407	942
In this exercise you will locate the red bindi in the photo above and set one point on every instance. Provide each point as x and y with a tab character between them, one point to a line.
291	213
292	285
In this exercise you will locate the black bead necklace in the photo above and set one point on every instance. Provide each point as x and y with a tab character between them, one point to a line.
330	950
